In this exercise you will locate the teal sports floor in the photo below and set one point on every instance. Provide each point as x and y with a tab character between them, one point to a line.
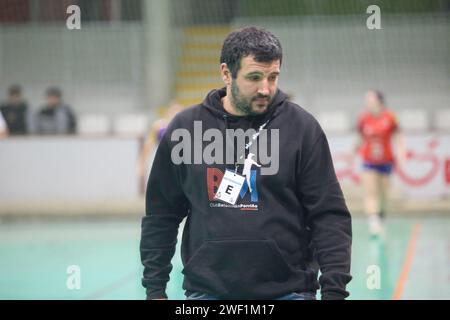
412	261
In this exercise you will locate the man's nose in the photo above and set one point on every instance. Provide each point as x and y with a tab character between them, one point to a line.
264	88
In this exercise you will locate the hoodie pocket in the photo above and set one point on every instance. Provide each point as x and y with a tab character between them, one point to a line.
237	266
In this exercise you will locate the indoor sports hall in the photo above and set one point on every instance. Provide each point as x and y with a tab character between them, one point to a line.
71	202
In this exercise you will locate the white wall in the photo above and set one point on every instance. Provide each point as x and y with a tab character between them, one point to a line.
425	174
68	168
58	168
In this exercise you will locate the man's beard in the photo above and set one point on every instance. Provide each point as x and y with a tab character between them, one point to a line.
243	104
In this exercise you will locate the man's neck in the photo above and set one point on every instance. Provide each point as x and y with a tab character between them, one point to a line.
228	106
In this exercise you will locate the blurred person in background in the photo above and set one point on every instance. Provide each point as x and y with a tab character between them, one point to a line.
56	117
154	137
377	127
3	128
15	112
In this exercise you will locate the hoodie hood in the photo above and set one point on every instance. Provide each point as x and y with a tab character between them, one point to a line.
213	102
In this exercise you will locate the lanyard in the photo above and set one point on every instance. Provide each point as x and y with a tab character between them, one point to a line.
252	140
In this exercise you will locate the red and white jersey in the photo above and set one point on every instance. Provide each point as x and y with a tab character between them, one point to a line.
376	131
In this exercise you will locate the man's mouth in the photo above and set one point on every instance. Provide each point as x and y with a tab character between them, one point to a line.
261	101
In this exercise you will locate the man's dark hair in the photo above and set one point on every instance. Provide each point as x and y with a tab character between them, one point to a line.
258	42
54	92
15	90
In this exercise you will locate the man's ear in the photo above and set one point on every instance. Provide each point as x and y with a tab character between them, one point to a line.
225	73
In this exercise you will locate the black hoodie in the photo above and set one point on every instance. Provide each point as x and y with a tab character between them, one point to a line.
274	239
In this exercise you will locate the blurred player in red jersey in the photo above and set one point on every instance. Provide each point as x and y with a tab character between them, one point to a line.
377	127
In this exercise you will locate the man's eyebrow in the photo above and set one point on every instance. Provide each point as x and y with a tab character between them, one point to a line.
254	73
261	73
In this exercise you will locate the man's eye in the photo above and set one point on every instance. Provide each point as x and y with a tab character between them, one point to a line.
272	78
254	78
